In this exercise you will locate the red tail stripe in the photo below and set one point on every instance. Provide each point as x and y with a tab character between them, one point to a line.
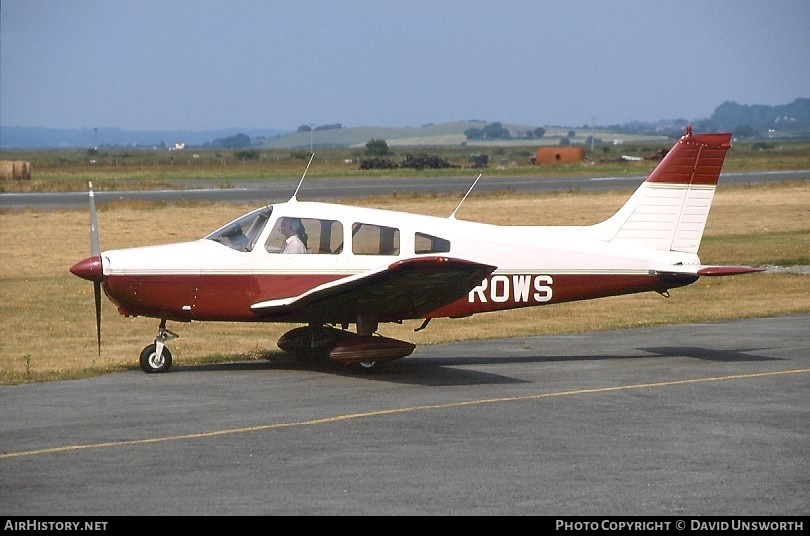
695	160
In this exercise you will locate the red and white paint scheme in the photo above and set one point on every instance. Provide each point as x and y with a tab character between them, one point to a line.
364	267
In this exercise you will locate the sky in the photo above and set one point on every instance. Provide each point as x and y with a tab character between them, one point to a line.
279	64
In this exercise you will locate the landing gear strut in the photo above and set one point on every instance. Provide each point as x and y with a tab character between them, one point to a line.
156	357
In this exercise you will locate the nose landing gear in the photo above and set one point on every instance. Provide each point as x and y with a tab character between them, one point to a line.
156	357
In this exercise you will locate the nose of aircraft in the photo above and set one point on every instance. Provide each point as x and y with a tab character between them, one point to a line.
90	269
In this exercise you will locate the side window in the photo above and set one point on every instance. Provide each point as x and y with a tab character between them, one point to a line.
425	243
317	236
369	239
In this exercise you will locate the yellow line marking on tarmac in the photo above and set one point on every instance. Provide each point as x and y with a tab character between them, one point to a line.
377	413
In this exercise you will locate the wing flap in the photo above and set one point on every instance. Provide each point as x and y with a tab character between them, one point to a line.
406	289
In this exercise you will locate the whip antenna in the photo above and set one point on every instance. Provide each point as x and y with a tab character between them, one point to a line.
453	215
302	178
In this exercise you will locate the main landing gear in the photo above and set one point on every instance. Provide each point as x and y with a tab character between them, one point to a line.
156	357
361	353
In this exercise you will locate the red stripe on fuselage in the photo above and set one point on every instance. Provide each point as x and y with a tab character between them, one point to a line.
204	297
503	292
229	297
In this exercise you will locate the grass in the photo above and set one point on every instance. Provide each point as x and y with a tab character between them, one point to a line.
49	326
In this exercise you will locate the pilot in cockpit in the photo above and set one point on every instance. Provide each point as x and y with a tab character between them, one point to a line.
295	235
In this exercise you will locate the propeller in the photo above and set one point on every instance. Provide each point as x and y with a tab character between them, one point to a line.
95	252
91	268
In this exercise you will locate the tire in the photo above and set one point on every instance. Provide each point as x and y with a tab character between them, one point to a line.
152	363
366	367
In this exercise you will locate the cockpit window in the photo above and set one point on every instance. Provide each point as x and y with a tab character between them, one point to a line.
242	233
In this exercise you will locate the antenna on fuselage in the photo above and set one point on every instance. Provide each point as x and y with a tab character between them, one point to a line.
293	198
453	215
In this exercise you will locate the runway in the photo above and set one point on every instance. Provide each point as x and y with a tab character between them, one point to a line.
317	189
684	420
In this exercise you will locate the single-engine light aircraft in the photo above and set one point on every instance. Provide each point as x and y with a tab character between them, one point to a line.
330	266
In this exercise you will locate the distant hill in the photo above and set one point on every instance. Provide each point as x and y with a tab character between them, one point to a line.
745	121
453	134
785	118
431	134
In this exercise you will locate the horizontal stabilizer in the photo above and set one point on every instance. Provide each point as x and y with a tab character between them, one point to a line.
729	270
701	270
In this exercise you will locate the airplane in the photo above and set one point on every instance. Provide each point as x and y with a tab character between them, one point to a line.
364	267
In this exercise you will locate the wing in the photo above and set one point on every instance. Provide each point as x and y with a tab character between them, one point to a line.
406	289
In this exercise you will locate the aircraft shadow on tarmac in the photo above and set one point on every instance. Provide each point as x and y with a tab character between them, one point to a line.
414	371
709	354
445	371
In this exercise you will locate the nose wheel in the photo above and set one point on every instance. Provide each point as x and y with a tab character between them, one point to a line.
156	357
152	361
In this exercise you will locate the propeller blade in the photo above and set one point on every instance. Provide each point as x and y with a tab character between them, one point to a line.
95	251
97	297
95	248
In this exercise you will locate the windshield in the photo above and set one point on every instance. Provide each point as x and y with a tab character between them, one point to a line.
242	233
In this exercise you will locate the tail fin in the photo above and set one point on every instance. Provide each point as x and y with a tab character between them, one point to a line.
669	210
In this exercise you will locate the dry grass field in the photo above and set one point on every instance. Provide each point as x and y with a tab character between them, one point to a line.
48	322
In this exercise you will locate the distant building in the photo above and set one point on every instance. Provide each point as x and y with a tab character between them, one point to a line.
14	170
558	155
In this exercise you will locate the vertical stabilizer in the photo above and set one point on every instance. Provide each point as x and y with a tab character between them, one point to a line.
669	210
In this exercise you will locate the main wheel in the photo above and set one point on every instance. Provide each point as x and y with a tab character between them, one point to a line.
152	363
366	367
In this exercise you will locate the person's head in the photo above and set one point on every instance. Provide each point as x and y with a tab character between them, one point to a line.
291	226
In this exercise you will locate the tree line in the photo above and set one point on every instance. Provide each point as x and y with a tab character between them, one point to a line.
496	131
